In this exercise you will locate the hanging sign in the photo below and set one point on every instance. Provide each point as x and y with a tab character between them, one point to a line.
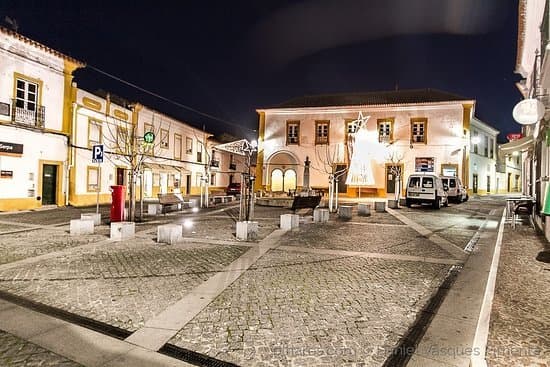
528	111
514	136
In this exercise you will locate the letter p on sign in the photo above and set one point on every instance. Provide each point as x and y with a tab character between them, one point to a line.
97	153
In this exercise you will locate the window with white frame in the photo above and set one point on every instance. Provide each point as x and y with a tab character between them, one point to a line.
188	145
26	94
321	132
385	130
292	132
199	151
93	179
177	146
94	133
418	130
164	138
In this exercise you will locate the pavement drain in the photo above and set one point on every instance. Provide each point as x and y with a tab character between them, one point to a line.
189	356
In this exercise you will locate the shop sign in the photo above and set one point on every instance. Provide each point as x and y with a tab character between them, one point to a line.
528	111
6	174
10	148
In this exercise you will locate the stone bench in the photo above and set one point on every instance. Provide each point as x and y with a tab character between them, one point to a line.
169	233
122	230
81	226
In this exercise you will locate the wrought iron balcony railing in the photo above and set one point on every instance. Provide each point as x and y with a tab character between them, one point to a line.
26	116
215	163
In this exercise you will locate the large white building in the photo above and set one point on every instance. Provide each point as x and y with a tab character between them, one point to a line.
483	158
35	87
417	130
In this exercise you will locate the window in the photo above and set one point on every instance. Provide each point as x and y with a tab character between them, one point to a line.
419	127
188	145
164	137
491	148
427	182
385	130
147	128
424	164
177	146
26	94
414	182
213	179
93	179
292	132
199	151
486	148
321	132
475	140
94	133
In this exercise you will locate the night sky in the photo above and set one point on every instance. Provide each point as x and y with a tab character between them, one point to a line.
228	58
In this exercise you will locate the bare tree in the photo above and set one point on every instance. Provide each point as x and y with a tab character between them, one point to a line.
395	159
124	143
329	155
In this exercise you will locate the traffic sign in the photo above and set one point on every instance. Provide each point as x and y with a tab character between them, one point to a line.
149	137
97	153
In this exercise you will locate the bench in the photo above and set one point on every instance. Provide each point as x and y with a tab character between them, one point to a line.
169	199
305	202
221	199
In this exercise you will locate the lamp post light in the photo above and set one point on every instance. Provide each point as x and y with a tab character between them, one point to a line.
248	148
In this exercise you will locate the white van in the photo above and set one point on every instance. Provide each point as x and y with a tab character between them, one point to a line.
426	188
456	192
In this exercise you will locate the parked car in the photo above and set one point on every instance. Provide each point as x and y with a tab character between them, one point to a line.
426	188
456	193
233	189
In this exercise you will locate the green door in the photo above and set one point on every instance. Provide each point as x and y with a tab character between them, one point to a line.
49	184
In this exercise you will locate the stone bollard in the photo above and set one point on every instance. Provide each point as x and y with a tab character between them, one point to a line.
194	202
402	202
81	226
247	231
344	211
169	233
289	221
96	217
363	210
153	209
392	204
380	206
320	215
122	230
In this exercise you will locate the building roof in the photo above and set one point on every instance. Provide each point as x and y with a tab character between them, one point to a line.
40	45
406	96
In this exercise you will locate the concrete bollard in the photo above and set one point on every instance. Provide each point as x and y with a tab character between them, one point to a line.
363	209
392	204
247	231
402	202
81	226
153	209
380	206
122	230
194	202
96	217
289	221
169	233
320	215
344	211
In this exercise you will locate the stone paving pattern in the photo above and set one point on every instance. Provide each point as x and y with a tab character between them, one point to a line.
400	240
21	245
16	352
313	310
519	333
121	284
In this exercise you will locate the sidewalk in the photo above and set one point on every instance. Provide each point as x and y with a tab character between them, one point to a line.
519	333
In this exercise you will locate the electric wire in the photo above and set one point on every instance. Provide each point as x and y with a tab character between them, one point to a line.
181	105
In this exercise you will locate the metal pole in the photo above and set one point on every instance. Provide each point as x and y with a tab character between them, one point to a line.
248	183
98	188
141	196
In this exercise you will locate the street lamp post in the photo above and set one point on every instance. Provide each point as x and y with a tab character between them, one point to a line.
248	148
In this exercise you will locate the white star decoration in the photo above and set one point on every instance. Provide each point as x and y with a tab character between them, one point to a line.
360	121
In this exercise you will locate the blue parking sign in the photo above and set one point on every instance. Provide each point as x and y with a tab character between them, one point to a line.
97	153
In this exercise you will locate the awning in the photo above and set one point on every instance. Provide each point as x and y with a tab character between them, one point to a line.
163	167
519	145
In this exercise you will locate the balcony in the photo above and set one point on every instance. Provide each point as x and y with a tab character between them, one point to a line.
233	166
29	117
215	163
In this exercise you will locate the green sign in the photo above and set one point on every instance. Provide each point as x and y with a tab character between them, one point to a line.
149	137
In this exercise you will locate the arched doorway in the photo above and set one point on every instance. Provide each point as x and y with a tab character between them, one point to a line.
276	180
289	180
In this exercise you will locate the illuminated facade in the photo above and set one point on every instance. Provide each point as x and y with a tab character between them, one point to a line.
417	130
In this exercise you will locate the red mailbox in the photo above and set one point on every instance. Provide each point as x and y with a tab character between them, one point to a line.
118	202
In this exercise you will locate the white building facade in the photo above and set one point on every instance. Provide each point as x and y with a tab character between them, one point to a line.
35	85
483	159
416	130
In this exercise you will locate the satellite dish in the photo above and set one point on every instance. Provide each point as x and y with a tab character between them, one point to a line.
528	111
